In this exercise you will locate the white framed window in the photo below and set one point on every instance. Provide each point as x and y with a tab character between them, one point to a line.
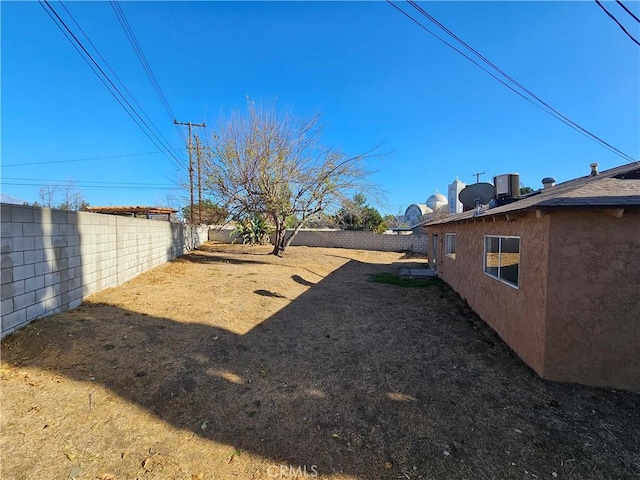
502	258
450	245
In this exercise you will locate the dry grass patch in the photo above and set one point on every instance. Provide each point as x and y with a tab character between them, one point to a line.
231	363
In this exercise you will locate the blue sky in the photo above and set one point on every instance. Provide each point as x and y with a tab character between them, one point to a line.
373	75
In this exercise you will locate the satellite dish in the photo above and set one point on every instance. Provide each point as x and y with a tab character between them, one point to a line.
477	194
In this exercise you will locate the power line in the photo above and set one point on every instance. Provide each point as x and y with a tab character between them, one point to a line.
612	17
548	108
159	135
124	23
459	51
92	187
104	78
81	159
124	87
76	182
627	10
539	103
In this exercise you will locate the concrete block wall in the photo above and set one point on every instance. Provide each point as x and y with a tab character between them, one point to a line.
223	235
53	259
345	239
361	240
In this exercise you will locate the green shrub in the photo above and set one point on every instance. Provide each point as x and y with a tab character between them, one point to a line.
254	230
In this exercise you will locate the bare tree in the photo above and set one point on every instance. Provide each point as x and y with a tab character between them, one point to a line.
72	197
276	165
47	194
170	200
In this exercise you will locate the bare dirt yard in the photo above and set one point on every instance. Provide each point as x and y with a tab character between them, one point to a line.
231	363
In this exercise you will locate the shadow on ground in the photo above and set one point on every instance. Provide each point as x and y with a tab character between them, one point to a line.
399	383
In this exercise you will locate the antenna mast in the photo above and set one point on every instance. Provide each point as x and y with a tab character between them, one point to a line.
477	175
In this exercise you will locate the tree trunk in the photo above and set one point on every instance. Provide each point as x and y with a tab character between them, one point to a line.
288	241
278	244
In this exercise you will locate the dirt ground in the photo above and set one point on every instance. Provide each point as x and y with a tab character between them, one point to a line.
231	363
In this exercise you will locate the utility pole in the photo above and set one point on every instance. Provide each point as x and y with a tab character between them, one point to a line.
190	124
199	180
477	175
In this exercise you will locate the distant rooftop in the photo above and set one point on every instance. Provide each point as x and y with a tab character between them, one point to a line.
133	211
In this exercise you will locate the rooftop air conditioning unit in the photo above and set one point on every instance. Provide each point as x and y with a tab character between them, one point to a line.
507	185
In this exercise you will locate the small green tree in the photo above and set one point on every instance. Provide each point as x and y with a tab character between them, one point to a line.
355	214
391	221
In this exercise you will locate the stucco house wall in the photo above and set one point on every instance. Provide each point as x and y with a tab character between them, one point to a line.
516	314
593	299
575	315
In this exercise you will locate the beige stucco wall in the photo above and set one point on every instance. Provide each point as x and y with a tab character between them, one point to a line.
593	306
517	315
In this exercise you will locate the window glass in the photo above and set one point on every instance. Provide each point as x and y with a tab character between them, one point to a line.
502	258
509	259
492	255
450	245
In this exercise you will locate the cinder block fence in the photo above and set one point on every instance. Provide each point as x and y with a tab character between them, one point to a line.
357	240
53	259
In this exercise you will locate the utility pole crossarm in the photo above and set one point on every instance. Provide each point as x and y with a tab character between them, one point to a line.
190	124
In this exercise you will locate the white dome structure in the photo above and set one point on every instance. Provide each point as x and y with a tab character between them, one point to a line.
414	213
436	201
